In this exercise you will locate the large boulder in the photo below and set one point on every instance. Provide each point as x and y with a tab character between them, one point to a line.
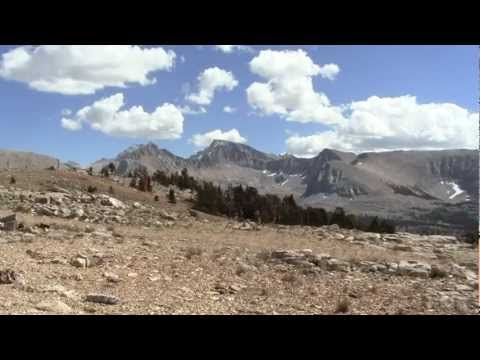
106	200
414	268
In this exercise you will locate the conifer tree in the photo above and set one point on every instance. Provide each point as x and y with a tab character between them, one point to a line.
171	196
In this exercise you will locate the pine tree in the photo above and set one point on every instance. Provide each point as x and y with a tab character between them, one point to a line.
133	182
105	172
171	196
374	225
12	180
111	168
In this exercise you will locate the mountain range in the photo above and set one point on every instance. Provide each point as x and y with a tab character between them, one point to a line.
448	175
414	186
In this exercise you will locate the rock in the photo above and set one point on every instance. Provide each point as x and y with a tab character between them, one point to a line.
224	289
79	261
77	277
339	236
137	205
9	222
77	213
54	306
41	200
462	287
169	224
320	260
112	277
27	238
83	261
338	265
60	290
167	216
103	299
193	213
132	275
65	213
59	260
35	254
8	276
414	268
110	201
45	211
402	248
391	238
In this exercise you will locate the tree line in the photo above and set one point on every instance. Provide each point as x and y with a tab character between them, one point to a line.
244	202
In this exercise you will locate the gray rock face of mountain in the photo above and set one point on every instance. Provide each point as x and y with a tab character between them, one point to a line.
148	156
10	159
449	175
403	184
220	152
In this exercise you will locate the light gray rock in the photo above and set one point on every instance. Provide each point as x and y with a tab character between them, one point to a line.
112	277
338	265
414	268
54	306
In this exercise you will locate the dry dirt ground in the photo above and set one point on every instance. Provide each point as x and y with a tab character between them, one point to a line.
207	265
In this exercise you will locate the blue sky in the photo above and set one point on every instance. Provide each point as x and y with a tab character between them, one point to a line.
366	84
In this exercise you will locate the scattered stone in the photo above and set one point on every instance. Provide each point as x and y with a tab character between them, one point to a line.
28	238
137	205
338	265
103	299
41	200
167	216
8	276
83	261
414	268
8	223
402	248
193	213
60	290
54	306
112	277
79	261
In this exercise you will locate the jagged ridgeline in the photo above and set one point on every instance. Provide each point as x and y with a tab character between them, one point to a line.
423	191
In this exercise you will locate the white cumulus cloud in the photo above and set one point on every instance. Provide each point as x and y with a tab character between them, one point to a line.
231	48
288	90
394	123
83	69
190	111
72	125
204	140
210	81
107	116
229	109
